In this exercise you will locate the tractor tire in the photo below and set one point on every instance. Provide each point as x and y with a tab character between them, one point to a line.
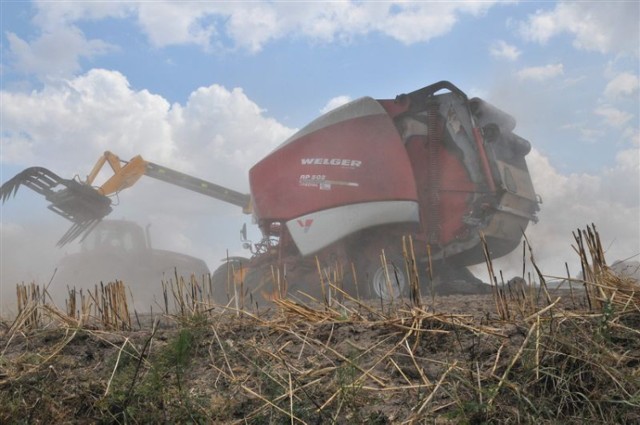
226	276
260	288
258	281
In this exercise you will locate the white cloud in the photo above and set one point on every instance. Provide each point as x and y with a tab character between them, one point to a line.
624	84
58	49
613	116
334	103
502	49
54	15
54	54
66	125
169	23
541	73
407	22
633	135
252	25
606	27
225	126
57	52
419	22
69	123
627	168
590	134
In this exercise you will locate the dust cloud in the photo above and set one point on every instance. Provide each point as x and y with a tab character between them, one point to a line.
27	254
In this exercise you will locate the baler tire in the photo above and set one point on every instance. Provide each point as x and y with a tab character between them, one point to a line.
374	275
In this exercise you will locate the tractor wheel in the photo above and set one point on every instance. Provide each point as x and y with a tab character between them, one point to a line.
385	282
260	288
226	277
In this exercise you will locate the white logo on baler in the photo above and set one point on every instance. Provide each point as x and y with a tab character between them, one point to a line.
353	163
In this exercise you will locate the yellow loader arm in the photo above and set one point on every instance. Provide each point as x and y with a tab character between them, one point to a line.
124	176
127	173
85	205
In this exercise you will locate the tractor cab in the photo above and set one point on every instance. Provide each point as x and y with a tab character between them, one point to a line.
116	235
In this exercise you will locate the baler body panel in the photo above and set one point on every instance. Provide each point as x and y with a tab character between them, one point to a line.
349	160
352	155
319	229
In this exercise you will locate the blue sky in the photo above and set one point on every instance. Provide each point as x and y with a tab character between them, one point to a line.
211	87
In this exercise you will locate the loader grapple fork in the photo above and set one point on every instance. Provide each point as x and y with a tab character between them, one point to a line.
77	202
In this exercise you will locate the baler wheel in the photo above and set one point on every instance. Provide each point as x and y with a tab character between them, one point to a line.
385	282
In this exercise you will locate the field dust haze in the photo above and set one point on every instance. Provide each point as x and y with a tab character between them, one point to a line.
29	254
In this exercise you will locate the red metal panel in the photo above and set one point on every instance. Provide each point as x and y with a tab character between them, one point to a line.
357	160
455	196
454	191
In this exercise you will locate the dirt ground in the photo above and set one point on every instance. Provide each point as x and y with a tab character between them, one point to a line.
454	359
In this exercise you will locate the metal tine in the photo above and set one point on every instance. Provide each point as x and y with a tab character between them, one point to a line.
45	176
10	188
90	228
74	231
82	230
36	178
43	181
40	182
65	238
62	213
